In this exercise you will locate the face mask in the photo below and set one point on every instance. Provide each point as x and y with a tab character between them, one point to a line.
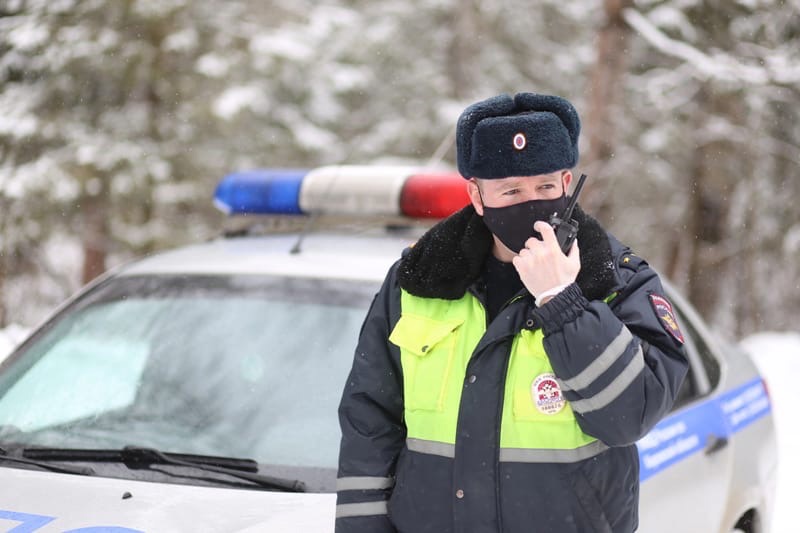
513	224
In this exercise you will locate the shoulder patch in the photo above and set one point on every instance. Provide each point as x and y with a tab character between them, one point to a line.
666	316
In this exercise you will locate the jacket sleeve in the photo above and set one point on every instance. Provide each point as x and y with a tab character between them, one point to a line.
620	364
371	420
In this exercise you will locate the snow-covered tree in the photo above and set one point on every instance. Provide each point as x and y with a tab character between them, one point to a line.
711	85
117	117
102	108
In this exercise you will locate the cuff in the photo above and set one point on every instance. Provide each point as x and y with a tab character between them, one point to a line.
564	307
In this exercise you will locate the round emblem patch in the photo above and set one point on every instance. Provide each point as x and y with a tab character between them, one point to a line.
546	394
520	141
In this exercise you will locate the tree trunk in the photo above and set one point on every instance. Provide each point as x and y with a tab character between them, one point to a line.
782	205
715	160
605	83
95	233
462	49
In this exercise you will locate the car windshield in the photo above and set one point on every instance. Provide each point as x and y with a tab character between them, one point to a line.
240	366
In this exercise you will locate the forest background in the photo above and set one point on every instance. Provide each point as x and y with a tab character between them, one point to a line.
118	117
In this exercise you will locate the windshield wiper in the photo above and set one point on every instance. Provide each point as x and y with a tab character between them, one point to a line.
79	470
136	457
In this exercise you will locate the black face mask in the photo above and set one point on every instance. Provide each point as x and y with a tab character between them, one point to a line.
513	224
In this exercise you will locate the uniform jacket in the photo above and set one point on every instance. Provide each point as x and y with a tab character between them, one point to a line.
384	486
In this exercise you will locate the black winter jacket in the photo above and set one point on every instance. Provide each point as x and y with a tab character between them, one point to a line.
385	487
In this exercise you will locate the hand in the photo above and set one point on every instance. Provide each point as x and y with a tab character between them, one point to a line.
543	266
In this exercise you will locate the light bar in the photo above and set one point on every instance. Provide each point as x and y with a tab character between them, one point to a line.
433	195
343	190
354	190
274	191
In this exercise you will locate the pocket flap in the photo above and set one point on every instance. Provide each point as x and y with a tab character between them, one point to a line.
419	334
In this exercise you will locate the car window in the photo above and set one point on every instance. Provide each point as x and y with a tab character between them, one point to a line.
104	378
193	365
704	368
710	363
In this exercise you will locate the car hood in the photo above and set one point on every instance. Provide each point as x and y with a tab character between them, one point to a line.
47	502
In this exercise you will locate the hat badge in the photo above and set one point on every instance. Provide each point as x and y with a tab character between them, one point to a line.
520	141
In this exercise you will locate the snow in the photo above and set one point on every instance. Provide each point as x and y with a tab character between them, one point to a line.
28	36
718	65
287	45
41	174
182	41
10	337
667	16
777	356
791	241
235	99
15	117
213	65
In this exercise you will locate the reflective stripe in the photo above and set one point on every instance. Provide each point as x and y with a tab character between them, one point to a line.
523	455
347	510
614	389
613	351
431	447
363	483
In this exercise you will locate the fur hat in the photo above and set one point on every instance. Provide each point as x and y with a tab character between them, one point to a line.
527	135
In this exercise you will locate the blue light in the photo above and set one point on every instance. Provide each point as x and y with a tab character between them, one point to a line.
263	192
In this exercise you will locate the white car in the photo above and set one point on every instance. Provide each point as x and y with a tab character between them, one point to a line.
197	389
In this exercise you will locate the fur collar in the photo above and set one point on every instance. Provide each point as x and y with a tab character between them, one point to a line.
449	258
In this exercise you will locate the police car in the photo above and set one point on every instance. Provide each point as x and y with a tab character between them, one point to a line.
197	389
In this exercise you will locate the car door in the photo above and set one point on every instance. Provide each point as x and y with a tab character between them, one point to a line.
686	461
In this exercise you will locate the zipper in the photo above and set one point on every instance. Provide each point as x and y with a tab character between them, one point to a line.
499	419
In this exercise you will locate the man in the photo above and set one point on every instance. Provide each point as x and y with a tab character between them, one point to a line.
499	384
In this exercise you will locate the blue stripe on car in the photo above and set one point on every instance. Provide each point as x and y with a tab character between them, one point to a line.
686	432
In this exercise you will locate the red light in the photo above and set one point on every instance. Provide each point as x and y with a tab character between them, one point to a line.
433	195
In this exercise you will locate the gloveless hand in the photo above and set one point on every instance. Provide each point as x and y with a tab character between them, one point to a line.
543	266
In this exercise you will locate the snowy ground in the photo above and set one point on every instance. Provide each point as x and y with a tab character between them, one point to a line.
777	356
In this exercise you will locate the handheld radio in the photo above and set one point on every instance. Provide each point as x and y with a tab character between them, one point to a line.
565	226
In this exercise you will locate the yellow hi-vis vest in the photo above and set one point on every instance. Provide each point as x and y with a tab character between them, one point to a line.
436	339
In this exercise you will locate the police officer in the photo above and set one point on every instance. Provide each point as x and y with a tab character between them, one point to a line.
498	383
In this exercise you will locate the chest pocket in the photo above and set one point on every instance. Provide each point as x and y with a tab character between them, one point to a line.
427	355
537	397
